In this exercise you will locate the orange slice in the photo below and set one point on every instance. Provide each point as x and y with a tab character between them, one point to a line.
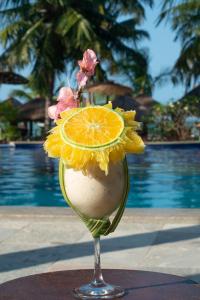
93	127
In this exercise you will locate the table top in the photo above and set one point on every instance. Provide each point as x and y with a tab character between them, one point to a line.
140	285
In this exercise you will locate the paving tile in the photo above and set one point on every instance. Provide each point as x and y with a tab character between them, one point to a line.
6	233
8	228
48	232
12	224
175	247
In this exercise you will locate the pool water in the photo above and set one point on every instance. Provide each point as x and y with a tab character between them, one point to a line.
162	177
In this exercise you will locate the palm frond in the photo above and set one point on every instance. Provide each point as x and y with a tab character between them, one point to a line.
22	94
52	34
184	19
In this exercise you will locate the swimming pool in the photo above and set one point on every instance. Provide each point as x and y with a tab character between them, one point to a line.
165	176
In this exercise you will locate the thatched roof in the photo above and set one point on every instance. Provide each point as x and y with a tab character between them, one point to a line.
193	93
192	100
145	99
130	103
12	78
12	101
109	88
33	110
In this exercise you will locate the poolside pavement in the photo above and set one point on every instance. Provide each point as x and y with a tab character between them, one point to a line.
36	240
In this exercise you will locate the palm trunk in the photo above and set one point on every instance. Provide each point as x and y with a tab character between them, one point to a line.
46	117
48	101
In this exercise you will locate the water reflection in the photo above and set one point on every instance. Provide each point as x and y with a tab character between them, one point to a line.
159	178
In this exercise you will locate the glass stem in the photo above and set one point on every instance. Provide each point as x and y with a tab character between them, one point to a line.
98	277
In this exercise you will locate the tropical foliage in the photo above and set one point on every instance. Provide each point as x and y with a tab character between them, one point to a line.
49	35
169	122
8	118
184	17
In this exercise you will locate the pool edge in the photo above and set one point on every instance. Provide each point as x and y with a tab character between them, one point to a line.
138	215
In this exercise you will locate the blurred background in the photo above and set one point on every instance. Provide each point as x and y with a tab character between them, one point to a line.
149	53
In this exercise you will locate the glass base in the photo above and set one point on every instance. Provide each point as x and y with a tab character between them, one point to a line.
98	291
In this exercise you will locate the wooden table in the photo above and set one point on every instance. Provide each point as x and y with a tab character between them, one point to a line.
139	285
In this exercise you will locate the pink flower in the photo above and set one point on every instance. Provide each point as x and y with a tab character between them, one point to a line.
65	100
88	64
65	93
87	67
52	112
82	79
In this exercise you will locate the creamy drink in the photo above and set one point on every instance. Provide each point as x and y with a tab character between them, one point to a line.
95	194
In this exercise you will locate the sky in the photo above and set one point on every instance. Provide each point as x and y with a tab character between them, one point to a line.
163	52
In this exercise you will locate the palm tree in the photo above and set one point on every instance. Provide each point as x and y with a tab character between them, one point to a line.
51	35
184	17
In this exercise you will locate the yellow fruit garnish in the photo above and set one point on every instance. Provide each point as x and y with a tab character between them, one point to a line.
93	127
94	135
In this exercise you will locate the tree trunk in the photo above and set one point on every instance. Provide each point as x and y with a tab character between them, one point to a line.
46	117
48	101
